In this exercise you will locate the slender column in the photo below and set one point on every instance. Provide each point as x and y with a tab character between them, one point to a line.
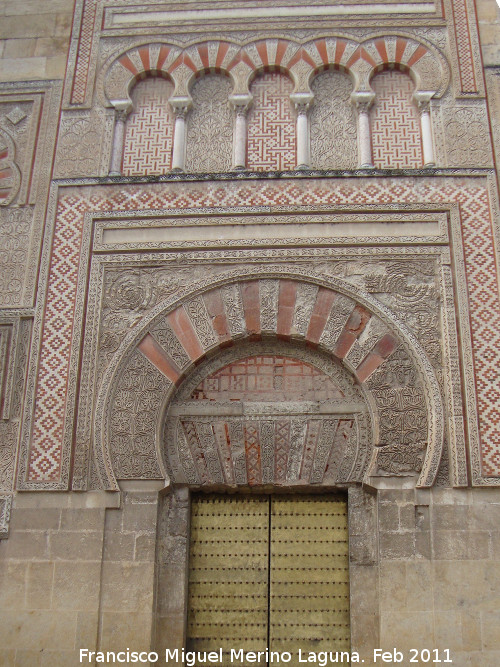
179	151
303	150
363	102
426	128
302	103
115	166
240	139
241	105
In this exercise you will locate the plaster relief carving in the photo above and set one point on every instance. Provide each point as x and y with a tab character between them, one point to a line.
9	435
398	405
467	136
333	123
15	229
210	126
84	143
138	395
410	289
5	508
11	175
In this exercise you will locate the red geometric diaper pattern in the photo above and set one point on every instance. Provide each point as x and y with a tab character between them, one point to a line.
58	323
465	56
84	51
271	125
150	129
395	123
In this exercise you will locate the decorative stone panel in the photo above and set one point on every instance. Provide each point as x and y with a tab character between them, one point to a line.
271	125
267	418
52	384
270	305
395	123
149	129
210	126
333	123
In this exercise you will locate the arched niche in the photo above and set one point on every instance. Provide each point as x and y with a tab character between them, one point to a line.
395	122
209	142
272	137
379	355
149	128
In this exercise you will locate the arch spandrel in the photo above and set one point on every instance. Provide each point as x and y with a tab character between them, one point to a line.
323	316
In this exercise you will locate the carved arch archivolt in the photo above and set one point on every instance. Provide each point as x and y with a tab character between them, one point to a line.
361	60
324	319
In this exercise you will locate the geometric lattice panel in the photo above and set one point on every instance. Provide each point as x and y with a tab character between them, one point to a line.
395	123
150	128
271	125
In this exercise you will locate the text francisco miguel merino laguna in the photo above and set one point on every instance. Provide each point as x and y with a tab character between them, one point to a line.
239	656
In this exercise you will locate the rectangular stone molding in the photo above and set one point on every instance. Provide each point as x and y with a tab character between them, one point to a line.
463	33
5	507
15	338
28	124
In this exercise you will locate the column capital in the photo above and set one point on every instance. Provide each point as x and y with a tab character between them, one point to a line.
363	100
241	103
121	115
422	99
180	106
301	102
122	110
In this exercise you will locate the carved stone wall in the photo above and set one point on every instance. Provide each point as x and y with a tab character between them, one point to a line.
333	123
210	126
267	419
247	330
361	340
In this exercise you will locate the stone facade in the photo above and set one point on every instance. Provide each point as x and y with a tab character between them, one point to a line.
248	247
